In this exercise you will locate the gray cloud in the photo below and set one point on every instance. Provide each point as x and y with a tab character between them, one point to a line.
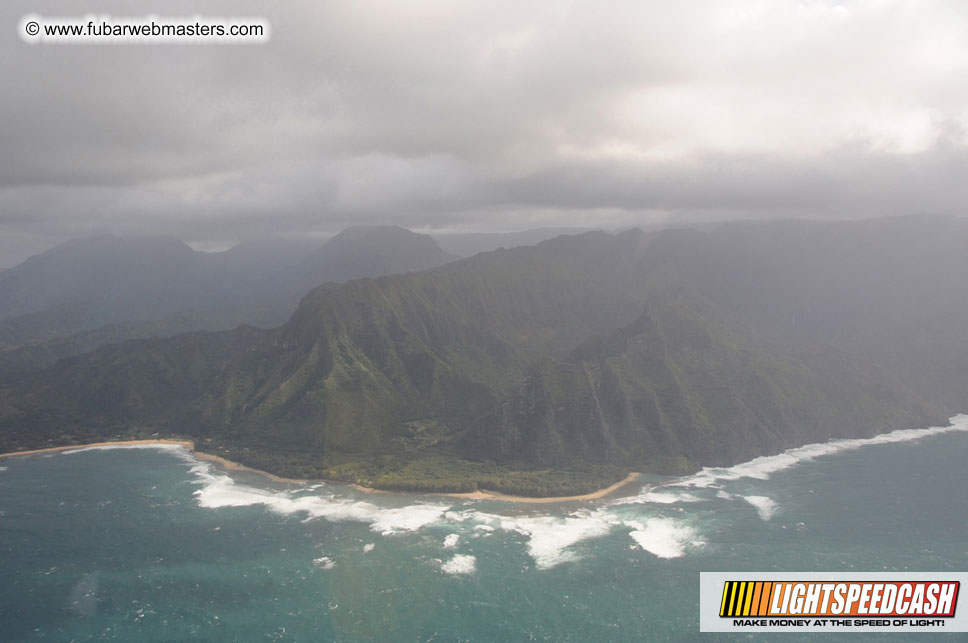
484	116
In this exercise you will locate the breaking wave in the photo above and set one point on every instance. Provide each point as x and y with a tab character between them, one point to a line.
663	537
460	564
763	467
550	538
451	541
654	496
220	490
765	507
158	446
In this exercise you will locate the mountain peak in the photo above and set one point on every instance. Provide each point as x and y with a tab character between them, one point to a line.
371	251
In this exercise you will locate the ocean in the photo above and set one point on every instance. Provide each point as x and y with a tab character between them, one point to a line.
151	544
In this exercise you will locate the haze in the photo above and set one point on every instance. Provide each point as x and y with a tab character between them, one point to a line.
484	116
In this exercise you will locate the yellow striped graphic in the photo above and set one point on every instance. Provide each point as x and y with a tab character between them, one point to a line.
755	604
729	593
745	598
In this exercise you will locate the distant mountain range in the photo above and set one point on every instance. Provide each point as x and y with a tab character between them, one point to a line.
469	244
555	367
88	292
110	280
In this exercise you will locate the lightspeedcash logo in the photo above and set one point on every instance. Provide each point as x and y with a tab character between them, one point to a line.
831	602
868	598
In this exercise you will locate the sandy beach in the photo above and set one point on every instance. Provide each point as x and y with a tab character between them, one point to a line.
185	443
483	494
594	495
188	444
235	466
230	465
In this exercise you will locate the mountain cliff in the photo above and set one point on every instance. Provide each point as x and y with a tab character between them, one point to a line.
549	368
89	292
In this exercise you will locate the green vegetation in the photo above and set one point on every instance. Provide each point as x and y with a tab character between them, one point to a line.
549	370
89	292
439	471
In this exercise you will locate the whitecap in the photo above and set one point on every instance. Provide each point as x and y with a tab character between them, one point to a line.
112	447
550	537
324	562
765	507
655	496
663	537
368	547
220	490
451	540
458	516
460	564
410	518
763	467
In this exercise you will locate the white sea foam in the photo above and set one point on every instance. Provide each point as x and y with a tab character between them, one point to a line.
550	537
220	490
763	467
765	507
368	547
451	540
655	496
663	537
324	562
3	468
460	564
457	516
111	447
410	518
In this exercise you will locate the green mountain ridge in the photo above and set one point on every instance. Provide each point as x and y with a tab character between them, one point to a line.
541	370
90	292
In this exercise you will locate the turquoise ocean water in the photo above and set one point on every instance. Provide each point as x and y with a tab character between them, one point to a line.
150	544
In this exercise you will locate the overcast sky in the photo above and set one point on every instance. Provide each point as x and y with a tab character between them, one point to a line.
447	115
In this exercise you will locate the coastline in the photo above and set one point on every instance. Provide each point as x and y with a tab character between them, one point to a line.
190	445
235	466
481	494
484	494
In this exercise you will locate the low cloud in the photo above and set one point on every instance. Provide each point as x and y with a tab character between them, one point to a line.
485	116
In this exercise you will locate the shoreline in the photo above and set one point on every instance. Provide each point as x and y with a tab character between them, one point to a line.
189	444
231	465
481	494
484	494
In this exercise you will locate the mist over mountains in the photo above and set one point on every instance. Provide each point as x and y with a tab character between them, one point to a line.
88	292
140	278
593	353
86	284
468	244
